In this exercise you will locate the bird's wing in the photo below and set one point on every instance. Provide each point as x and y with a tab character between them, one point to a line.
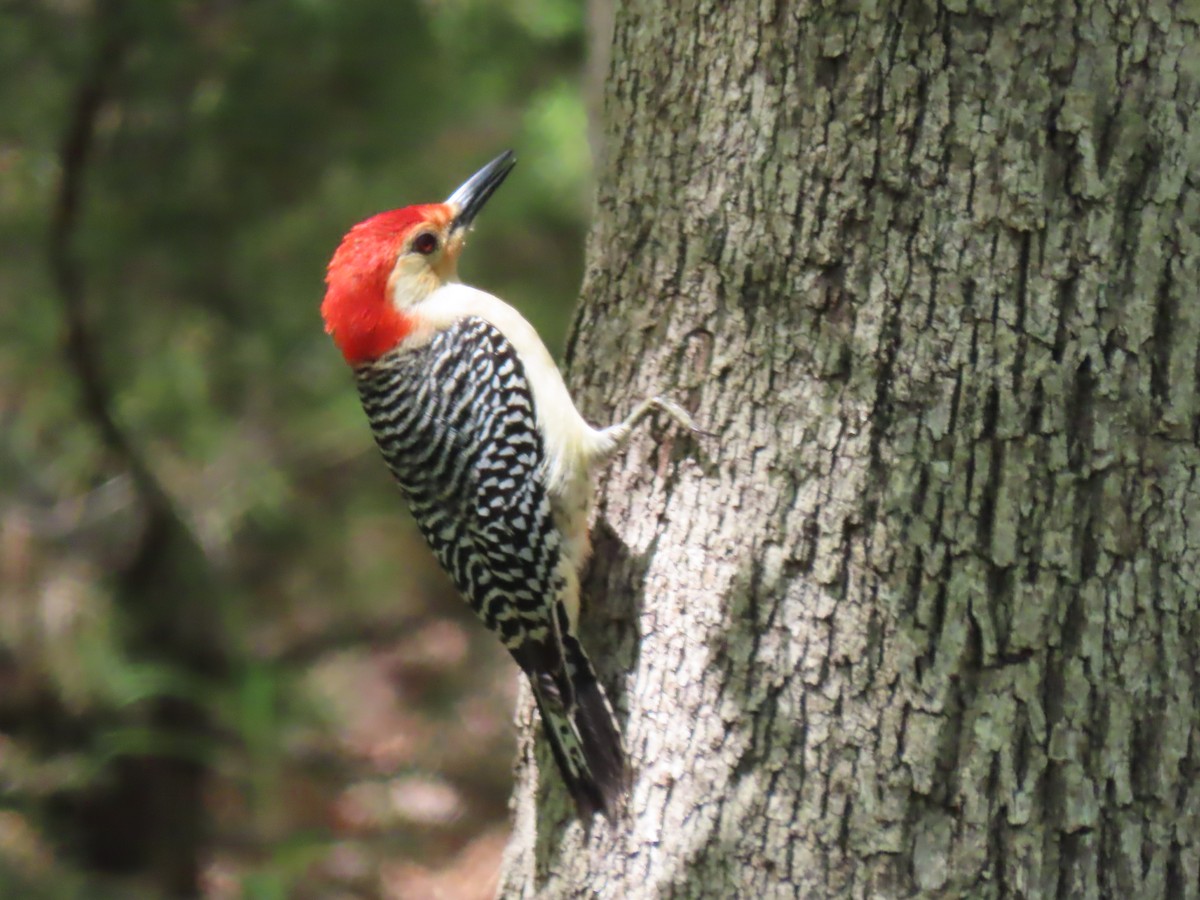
465	447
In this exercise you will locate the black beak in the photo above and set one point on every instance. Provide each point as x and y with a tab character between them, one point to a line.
478	188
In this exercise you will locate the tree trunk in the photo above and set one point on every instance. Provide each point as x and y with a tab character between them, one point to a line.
922	618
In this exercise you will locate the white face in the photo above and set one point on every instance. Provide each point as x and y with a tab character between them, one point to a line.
428	259
412	280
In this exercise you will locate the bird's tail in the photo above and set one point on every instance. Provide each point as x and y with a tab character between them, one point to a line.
583	733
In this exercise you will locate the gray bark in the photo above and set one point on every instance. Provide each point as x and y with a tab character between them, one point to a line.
923	618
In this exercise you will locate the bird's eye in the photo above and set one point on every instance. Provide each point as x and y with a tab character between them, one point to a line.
425	243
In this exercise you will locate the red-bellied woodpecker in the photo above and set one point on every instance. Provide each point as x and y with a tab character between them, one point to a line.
476	424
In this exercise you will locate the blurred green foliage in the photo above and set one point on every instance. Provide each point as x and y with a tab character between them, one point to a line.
237	142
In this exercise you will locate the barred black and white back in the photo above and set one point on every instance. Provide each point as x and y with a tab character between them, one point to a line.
455	419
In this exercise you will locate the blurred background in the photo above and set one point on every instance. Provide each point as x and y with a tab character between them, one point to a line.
228	664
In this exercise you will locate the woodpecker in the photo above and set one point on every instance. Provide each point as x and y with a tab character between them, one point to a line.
475	422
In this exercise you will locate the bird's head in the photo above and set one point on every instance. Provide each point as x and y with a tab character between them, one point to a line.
388	263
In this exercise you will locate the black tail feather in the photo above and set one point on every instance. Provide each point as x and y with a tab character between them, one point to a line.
583	734
597	726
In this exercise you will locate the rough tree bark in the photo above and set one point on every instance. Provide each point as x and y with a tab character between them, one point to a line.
923	619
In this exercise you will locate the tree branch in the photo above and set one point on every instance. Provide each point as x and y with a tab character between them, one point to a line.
75	154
